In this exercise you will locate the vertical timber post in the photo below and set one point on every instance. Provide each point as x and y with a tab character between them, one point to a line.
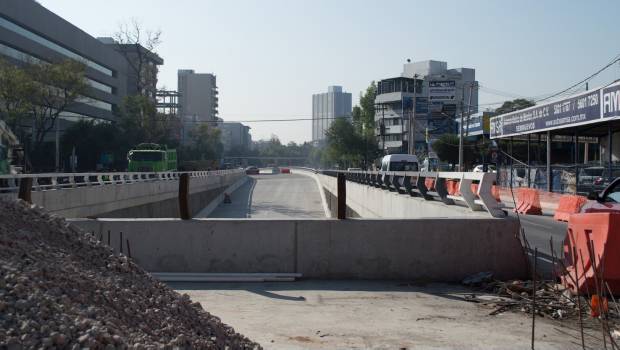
25	189
342	196
184	211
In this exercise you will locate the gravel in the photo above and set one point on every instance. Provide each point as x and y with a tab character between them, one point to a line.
60	288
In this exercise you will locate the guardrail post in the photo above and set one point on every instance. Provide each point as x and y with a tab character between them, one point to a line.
342	196
420	184
184	211
25	189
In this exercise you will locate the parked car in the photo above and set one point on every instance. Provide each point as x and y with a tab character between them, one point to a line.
490	168
285	170
251	170
606	201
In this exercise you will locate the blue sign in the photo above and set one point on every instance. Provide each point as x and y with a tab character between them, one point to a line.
611	102
580	109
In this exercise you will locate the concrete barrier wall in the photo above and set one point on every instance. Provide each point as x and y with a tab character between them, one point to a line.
429	249
372	202
140	199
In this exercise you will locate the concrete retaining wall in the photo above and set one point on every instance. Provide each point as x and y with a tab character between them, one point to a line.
140	199
429	249
371	202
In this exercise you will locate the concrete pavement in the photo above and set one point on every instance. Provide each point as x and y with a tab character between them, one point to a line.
274	196
371	314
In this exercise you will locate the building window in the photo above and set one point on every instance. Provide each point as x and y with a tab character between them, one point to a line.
51	45
24	57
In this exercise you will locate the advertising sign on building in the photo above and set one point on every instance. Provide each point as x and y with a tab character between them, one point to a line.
611	102
579	109
442	90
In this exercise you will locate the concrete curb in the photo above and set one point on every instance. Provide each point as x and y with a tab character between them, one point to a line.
321	190
220	198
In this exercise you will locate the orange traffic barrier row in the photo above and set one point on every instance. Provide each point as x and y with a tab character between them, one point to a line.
528	202
569	204
429	183
452	186
590	252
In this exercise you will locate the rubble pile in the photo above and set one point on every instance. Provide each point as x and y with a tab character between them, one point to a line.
61	288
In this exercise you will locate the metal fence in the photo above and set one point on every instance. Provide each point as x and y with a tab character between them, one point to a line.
565	178
59	181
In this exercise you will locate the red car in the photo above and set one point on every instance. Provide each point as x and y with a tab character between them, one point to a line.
606	201
285	170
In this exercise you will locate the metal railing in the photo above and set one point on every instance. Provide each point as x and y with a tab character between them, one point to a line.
413	183
59	181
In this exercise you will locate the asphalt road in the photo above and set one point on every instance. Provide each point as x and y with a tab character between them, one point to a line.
274	196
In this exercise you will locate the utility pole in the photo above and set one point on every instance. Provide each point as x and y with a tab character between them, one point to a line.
412	118
461	132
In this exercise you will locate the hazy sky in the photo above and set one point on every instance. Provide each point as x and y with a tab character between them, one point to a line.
271	56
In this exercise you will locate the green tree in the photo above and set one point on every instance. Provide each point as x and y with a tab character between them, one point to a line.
57	87
205	144
345	146
364	115
514	105
16	91
140	121
90	140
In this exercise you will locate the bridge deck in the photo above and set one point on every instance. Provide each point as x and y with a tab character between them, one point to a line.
274	196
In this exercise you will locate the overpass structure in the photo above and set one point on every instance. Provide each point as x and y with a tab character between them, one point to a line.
395	230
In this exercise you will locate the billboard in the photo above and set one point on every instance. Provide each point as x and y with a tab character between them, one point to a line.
444	90
610	102
579	109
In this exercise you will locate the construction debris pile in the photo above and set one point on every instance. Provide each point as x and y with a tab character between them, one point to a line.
600	321
61	288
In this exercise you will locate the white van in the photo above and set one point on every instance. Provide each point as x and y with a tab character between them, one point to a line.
399	162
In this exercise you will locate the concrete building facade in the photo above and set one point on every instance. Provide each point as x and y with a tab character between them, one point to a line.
441	96
29	33
142	67
198	95
235	136
326	107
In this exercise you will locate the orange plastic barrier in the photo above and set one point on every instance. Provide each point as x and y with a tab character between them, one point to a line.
495	193
586	263
569	204
528	202
285	170
474	189
429	183
452	186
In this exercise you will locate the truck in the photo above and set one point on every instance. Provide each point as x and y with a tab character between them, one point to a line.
10	150
152	157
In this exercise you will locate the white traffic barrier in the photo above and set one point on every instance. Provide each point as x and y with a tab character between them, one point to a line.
413	183
59	181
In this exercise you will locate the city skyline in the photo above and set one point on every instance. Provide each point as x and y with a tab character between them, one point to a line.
305	54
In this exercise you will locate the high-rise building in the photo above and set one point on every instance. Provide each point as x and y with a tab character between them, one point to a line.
326	107
441	95
198	95
235	137
29	33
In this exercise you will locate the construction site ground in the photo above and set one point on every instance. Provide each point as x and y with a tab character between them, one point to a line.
312	314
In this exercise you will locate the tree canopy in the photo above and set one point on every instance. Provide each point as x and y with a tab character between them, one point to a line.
514	105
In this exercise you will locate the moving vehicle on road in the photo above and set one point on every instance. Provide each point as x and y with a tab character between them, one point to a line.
480	168
152	157
606	201
252	170
399	162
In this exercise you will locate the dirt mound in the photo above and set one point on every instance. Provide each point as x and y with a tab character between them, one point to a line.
62	288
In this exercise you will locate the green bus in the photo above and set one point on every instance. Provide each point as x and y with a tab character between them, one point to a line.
151	157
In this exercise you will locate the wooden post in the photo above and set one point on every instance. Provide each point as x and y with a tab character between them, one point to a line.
184	197
342	196
25	189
